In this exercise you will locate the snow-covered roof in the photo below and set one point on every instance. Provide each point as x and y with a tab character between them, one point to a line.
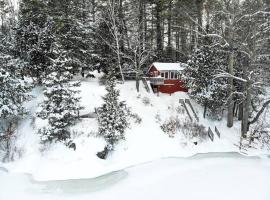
169	66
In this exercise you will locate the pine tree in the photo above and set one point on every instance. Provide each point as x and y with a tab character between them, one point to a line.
69	53
112	115
34	37
72	31
13	90
199	76
61	105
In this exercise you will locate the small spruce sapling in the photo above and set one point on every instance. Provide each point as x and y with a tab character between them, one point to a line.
112	117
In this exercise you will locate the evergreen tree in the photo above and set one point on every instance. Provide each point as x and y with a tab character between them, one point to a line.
69	53
72	30
203	65
112	115
34	37
61	105
13	90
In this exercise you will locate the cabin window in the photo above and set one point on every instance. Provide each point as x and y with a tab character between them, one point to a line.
172	75
176	76
166	75
162	74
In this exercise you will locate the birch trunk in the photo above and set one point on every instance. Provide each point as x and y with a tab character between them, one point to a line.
230	100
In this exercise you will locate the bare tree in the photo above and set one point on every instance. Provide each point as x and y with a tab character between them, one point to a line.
113	23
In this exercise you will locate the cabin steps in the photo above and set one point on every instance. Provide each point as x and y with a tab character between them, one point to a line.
186	103
189	109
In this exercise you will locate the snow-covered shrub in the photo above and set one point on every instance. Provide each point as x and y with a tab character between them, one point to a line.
180	110
158	118
146	101
193	131
171	126
137	119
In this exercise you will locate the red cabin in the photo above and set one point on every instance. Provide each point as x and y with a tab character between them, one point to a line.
166	77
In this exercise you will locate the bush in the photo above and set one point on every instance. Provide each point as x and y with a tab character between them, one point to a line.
137	119
191	130
180	110
171	126
194	131
146	101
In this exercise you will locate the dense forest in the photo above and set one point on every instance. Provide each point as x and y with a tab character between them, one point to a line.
48	43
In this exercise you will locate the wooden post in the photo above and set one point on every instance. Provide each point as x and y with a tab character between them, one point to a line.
184	105
210	134
217	132
190	105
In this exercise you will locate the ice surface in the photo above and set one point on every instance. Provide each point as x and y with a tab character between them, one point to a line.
215	176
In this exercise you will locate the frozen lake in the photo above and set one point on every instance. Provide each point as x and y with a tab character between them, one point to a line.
215	176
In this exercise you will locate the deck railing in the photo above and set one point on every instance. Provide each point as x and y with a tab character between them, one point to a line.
156	80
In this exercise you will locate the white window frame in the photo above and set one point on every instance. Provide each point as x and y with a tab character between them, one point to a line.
168	75
172	74
176	75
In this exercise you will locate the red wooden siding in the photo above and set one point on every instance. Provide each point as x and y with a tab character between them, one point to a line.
170	85
152	70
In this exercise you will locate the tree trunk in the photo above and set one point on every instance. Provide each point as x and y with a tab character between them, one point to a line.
230	100
205	110
177	45
193	42
240	111
152	27
121	28
169	48
137	82
230	37
246	110
145	24
159	40
183	36
199	5
141	25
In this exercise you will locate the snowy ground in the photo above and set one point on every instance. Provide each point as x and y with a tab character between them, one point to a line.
222	176
144	142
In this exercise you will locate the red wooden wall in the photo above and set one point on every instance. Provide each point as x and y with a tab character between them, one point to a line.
170	85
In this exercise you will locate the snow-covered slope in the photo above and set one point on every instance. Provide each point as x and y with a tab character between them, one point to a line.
144	142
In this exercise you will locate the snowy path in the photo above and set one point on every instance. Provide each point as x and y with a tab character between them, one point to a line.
222	176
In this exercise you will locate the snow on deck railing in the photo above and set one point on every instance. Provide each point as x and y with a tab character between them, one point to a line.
156	80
